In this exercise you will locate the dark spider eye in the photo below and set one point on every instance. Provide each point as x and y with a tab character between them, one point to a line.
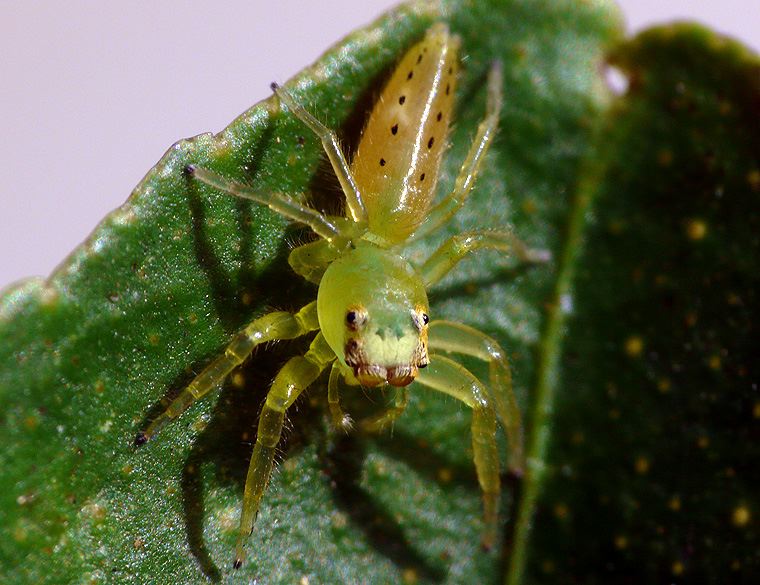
351	317
425	318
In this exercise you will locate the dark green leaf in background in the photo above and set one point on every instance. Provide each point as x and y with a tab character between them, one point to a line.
654	459
88	356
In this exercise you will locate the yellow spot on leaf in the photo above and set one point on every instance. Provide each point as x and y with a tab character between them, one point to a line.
621	542
445	475
547	566
696	229
634	345
741	516
529	206
641	465
31	422
677	568
753	178
674	503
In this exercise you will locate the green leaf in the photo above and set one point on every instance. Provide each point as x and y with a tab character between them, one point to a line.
652	472
90	354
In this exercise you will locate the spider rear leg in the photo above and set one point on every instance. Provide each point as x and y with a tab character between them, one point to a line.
457	338
277	325
294	377
453	250
449	377
453	202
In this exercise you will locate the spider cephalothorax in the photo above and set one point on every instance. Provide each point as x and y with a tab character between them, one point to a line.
371	304
371	312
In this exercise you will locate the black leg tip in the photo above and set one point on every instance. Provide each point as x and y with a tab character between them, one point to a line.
237	564
190	170
140	439
274	86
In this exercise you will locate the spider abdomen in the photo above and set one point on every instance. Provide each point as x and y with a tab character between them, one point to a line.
397	161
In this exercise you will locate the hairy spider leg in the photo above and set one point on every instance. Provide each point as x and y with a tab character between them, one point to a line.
277	325
340	419
277	202
468	172
294	377
390	414
331	145
458	338
449	377
453	250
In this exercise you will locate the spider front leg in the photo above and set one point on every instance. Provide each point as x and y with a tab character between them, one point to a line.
332	148
294	377
278	325
376	423
458	338
451	378
390	414
340	419
282	204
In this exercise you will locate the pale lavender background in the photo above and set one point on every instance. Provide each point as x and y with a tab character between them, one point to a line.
92	94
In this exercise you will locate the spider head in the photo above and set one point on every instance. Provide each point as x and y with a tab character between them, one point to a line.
373	312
